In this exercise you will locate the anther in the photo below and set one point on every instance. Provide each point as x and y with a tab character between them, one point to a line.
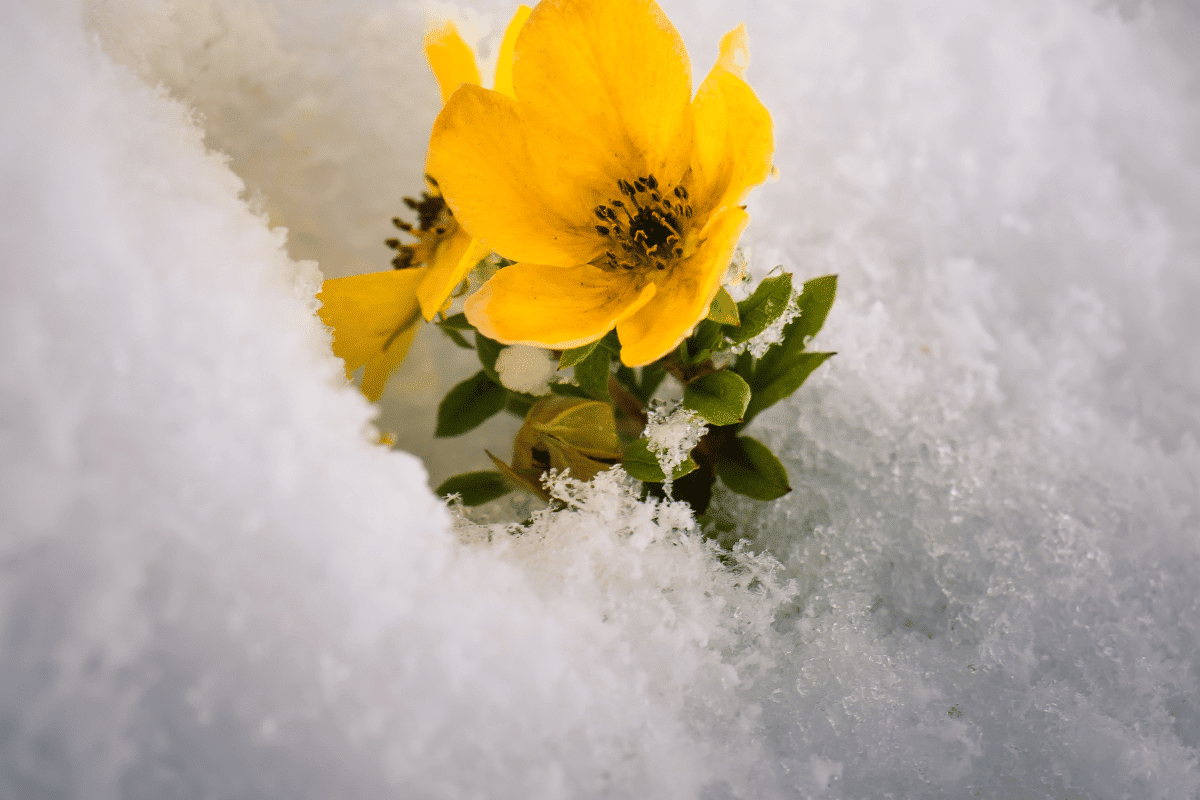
640	185
601	212
652	182
656	197
392	243
603	231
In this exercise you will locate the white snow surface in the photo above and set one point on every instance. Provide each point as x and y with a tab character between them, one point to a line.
214	585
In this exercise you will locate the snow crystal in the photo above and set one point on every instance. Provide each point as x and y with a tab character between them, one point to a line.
526	369
983	582
671	435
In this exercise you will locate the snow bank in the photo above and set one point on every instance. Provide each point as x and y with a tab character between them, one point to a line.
214	585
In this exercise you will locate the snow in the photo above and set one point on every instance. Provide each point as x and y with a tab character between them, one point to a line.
215	584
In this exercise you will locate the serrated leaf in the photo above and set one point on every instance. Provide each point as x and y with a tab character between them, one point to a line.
576	354
723	309
476	488
748	467
469	404
768	301
641	463
720	397
489	351
777	378
592	373
814	303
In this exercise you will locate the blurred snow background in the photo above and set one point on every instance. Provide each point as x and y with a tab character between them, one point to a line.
213	586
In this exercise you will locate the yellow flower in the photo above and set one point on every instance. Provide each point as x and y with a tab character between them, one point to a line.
616	192
375	316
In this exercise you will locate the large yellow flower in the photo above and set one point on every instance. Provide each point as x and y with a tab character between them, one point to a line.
375	316
616	192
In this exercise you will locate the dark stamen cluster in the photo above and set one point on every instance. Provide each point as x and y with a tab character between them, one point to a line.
646	231
434	219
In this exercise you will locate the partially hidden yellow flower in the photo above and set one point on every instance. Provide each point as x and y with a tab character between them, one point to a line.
617	193
375	316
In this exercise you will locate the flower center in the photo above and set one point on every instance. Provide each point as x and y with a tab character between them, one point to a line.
645	230
435	222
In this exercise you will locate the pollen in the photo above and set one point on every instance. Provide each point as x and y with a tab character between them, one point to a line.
645	228
435	223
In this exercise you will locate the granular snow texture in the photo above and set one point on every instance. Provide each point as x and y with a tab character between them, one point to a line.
213	584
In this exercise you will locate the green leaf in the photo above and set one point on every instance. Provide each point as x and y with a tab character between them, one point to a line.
814	303
592	373
457	337
457	322
568	390
723	309
611	343
518	404
747	467
489	351
476	488
744	366
761	308
706	339
720	397
778	375
642	464
469	404
576	354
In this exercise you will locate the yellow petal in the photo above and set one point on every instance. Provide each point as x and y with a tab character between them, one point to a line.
553	307
452	61
684	294
380	366
374	319
504	63
733	141
615	72
514	182
454	259
735	52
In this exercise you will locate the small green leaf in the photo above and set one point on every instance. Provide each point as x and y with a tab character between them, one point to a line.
568	390
592	373
489	351
642	464
457	337
723	309
469	404
576	354
744	366
814	303
762	308
706	339
720	397
518	404
777	377
476	488
457	322
747	467
611	342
